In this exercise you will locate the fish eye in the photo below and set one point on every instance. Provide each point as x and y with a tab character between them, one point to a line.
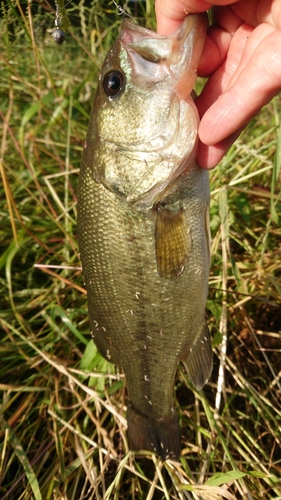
113	83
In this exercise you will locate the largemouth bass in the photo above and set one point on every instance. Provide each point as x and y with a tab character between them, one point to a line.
143	225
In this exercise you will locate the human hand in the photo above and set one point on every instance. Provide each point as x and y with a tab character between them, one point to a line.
242	58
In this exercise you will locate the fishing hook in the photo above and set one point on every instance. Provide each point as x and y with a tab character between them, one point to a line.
121	10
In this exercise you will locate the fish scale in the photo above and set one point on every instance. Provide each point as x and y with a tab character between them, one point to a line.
146	257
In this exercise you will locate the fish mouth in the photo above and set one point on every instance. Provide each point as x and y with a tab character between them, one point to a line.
155	57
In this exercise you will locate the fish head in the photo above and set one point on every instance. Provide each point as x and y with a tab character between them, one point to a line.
143	127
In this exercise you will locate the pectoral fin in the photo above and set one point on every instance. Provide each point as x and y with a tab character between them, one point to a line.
199	362
172	242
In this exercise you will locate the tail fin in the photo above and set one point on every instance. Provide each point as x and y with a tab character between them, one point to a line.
162	436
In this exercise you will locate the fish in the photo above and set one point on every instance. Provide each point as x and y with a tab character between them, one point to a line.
143	225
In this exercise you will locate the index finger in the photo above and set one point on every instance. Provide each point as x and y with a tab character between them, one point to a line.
171	13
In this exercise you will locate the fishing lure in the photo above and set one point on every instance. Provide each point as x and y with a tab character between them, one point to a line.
61	20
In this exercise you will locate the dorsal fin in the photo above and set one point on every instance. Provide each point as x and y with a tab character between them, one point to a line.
172	242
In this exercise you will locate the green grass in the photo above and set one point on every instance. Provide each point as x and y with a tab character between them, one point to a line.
63	427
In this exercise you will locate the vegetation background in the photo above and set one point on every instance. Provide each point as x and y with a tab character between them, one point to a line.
62	407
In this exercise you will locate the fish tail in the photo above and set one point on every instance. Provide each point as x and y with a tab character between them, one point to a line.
161	436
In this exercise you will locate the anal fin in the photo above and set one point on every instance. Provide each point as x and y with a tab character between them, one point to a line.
172	242
199	362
